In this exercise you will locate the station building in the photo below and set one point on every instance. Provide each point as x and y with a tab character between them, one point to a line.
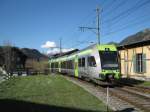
134	57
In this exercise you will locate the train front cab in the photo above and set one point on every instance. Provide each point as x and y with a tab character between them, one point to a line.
109	62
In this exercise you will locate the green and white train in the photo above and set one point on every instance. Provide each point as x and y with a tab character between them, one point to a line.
96	62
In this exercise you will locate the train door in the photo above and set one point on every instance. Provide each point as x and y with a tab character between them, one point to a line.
85	68
92	66
81	66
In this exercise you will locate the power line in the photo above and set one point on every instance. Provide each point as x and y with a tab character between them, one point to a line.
127	26
132	20
95	28
124	14
133	24
123	2
83	20
84	41
140	4
103	3
124	19
128	11
111	4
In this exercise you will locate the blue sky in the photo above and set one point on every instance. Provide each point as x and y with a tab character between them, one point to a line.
31	23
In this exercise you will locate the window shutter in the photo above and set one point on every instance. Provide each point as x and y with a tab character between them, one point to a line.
144	62
134	63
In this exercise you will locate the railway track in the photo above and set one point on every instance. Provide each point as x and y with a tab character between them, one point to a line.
127	94
135	95
134	87
140	101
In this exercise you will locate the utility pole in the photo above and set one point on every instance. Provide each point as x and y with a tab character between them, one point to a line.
98	24
97	28
60	46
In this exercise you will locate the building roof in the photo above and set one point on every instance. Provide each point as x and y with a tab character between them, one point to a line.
140	37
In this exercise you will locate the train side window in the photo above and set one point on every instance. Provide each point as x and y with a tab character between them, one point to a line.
83	62
70	64
91	61
80	62
64	65
56	64
52	65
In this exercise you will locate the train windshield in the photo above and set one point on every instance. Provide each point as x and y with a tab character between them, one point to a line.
109	59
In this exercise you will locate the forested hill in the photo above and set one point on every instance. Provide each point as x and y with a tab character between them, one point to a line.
33	53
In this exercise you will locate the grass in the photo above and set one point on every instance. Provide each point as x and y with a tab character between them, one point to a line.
51	91
146	83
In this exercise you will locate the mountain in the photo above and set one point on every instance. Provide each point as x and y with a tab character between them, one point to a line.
138	37
33	53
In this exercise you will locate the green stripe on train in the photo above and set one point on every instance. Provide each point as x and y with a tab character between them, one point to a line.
76	67
103	47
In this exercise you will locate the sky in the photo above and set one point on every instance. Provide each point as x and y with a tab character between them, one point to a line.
40	24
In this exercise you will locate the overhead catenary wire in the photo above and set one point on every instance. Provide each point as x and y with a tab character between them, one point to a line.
128	11
76	32
120	4
108	9
131	20
127	26
124	14
116	22
103	3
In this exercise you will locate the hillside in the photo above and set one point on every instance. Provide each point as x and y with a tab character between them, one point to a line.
138	37
33	53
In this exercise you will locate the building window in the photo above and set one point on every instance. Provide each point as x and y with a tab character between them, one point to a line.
140	63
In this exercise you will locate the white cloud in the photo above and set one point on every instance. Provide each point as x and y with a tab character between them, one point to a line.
49	44
53	51
57	50
53	48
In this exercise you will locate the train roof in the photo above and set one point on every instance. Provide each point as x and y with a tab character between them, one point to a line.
101	47
64	54
85	51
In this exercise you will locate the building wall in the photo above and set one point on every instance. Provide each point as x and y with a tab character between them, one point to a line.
128	64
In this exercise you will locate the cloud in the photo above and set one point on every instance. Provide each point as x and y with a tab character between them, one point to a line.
54	49
57	50
49	44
